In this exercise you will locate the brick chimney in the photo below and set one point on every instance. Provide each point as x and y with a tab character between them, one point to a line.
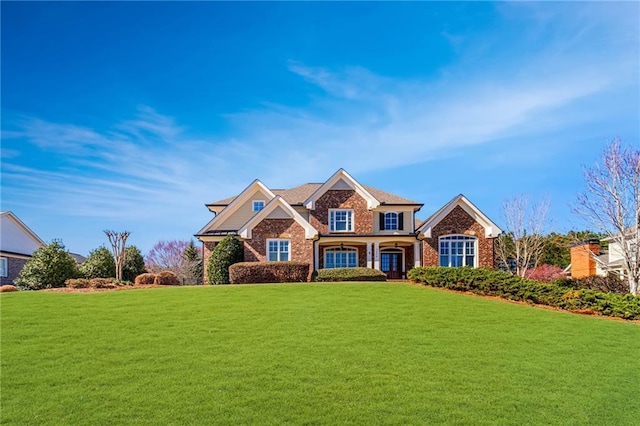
583	263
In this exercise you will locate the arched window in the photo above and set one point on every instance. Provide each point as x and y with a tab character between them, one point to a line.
340	257
458	250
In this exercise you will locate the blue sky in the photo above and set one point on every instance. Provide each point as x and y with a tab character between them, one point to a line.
132	115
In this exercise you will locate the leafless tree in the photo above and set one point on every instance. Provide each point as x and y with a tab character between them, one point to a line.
118	242
523	242
611	203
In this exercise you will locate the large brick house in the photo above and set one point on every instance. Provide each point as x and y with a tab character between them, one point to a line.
342	223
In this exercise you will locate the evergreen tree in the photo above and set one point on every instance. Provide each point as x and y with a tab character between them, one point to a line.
133	264
226	253
193	263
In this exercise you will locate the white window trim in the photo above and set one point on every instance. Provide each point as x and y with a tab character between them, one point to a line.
353	219
253	204
278	240
397	221
467	238
341	249
4	268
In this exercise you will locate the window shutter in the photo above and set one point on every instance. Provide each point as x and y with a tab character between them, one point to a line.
381	221
401	221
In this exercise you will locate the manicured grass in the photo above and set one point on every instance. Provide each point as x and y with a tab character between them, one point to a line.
310	354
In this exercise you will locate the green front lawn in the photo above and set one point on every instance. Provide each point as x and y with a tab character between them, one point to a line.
310	354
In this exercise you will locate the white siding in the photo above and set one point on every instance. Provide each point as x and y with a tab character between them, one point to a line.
243	213
15	239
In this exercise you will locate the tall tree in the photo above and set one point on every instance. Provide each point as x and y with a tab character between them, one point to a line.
167	256
523	242
193	263
118	241
611	203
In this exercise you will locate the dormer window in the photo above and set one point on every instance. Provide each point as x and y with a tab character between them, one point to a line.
258	205
341	220
391	221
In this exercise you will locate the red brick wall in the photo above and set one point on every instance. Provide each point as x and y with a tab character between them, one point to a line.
342	199
301	249
458	222
14	266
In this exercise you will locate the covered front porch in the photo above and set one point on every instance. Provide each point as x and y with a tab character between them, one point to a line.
394	255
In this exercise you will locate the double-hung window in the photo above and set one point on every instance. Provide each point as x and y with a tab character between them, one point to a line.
341	220
3	267
277	250
457	251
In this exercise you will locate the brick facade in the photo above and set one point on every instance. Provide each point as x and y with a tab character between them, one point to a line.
301	249
458	222
14	266
342	199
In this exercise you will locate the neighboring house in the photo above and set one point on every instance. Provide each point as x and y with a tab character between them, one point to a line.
342	223
587	260
17	244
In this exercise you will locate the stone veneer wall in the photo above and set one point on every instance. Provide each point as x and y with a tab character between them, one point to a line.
342	199
301	249
458	222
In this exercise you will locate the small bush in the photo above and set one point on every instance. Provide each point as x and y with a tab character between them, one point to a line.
545	273
350	274
145	279
49	267
512	287
269	272
102	283
78	283
166	278
7	288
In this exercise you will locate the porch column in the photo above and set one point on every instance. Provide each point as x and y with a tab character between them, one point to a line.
417	261
316	255
376	255
369	255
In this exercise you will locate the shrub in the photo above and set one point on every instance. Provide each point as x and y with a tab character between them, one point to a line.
102	283
226	253
545	273
146	278
100	263
508	286
350	274
49	267
7	288
166	278
78	283
608	284
269	272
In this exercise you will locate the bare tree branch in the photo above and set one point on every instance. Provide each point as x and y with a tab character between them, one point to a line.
118	241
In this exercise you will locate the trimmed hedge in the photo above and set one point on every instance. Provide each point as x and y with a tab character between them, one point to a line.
350	274
146	278
166	278
608	284
508	286
269	272
7	288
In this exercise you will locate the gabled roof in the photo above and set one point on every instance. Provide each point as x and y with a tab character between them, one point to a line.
23	227
298	194
278	202
491	230
244	196
341	175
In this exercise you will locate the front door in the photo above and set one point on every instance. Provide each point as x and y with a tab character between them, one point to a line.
391	264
